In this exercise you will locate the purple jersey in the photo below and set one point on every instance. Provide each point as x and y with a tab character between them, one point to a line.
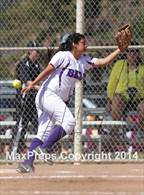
68	71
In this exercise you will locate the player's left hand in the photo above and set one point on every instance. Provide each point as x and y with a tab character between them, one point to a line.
123	37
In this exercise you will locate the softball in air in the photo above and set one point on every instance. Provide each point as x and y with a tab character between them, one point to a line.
16	84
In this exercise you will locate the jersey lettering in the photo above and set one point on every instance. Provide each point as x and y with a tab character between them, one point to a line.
75	74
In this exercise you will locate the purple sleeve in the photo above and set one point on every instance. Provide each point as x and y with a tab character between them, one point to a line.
88	61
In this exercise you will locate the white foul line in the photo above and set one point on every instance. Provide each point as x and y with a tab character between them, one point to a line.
67	192
71	177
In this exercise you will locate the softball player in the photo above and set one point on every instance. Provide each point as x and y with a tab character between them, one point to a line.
54	117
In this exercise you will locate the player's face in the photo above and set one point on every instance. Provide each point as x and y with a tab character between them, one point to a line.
81	46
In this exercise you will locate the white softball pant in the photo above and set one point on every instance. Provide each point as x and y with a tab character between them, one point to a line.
52	111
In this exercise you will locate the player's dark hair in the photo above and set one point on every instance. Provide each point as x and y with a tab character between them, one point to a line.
73	38
62	47
68	44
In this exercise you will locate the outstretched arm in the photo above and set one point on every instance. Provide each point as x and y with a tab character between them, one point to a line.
48	70
123	39
101	62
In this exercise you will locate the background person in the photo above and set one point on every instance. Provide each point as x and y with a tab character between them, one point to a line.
26	71
125	88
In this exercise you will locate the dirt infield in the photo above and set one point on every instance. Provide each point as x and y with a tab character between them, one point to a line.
64	179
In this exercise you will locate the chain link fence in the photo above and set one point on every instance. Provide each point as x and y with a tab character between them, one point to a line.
113	110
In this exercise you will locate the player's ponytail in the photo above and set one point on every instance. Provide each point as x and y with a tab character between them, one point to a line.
63	46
